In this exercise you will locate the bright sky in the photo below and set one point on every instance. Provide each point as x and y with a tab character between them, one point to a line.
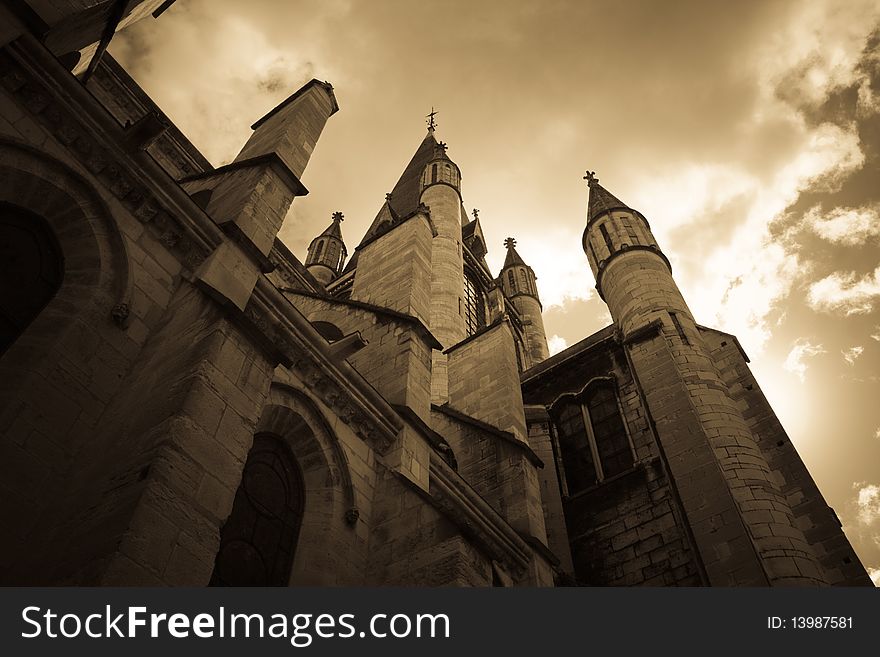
747	132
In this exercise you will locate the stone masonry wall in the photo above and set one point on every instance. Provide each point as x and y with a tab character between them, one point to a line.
501	472
629	529
147	504
638	288
484	380
413	544
397	358
533	328
813	516
394	271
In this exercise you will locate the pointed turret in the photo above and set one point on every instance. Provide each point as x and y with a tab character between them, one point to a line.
518	281
327	252
701	427
613	228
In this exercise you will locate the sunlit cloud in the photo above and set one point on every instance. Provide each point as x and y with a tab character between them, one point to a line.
877	433
874	574
846	226
850	355
867	502
795	362
846	293
216	74
556	344
559	279
876	334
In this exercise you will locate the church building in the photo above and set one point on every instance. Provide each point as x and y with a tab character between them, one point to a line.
185	402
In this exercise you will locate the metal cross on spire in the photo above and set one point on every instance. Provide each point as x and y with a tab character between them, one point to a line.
430	119
476	214
338	216
591	178
509	243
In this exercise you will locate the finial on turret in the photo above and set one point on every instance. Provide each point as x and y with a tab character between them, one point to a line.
591	178
442	146
476	214
510	243
338	216
388	196
430	119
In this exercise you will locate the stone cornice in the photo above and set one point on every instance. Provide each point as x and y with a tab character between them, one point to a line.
70	113
464	506
336	383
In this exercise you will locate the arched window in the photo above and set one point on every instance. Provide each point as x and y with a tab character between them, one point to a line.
593	440
319	250
511	280
31	269
258	541
433	173
524	280
474	306
329	331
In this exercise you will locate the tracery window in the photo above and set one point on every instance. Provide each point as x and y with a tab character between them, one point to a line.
593	440
258	540
474	306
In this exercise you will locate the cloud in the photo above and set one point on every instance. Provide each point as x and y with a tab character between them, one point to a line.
850	355
877	433
559	279
846	226
801	350
876	334
845	292
874	574
867	502
214	73
556	344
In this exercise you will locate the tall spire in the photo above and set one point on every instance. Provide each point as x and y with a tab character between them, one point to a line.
601	200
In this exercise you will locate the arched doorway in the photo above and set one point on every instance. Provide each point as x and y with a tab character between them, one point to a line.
258	541
31	269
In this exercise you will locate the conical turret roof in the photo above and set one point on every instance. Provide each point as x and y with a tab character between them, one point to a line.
601	200
513	258
334	229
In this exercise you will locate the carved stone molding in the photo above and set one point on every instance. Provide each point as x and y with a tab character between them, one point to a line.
113	170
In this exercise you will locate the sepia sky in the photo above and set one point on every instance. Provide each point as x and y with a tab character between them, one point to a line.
747	132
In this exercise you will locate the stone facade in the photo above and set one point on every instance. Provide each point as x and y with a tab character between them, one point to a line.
183	402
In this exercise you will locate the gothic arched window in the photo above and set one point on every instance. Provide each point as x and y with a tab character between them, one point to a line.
258	541
31	269
593	441
474	306
511	280
524	280
319	250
